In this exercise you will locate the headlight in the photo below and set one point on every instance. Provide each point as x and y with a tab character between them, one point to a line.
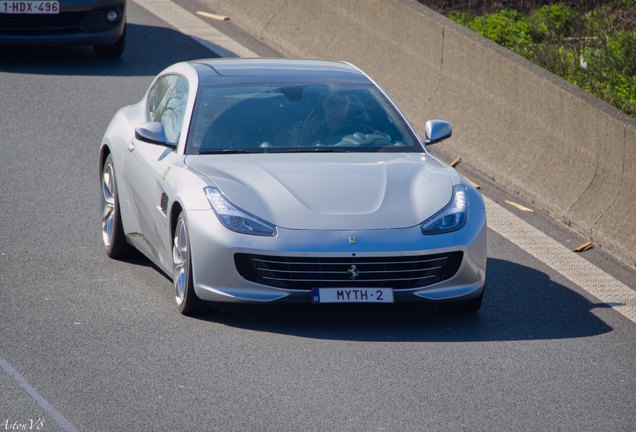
236	219
452	218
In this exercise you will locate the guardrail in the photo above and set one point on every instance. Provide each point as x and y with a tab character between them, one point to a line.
570	153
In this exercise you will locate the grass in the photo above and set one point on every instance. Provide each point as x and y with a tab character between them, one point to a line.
591	44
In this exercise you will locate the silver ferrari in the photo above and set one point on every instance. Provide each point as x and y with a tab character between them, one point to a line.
288	180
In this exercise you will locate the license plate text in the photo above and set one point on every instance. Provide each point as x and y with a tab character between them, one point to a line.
30	7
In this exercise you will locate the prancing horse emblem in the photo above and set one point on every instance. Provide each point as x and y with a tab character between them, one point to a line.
353	272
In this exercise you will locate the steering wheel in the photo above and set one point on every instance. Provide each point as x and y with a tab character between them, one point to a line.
349	129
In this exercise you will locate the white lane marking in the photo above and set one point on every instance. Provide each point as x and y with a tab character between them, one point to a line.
195	27
561	259
545	249
64	424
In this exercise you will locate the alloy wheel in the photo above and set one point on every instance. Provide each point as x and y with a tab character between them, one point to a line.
108	204
180	256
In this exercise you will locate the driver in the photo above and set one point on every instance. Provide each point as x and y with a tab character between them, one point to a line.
333	110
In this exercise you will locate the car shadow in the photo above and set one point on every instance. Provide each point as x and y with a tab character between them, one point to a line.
149	49
520	303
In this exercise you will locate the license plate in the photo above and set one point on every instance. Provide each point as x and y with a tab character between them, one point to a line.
30	7
352	295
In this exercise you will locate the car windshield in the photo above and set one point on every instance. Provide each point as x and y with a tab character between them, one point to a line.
269	118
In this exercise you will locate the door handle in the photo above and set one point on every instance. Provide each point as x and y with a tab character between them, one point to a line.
131	147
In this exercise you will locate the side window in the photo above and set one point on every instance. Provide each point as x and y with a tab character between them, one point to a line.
167	103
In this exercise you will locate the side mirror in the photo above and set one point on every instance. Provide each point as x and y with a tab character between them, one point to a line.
153	133
437	130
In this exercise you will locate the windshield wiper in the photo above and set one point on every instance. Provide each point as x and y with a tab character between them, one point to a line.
225	151
313	150
277	150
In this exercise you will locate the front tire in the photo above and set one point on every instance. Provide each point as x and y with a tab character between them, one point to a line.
187	301
113	236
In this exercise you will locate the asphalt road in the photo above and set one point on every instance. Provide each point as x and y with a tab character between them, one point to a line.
92	344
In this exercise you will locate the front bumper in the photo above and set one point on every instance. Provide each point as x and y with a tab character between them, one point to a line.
77	23
217	279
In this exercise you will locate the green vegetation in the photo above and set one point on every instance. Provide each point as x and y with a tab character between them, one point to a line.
593	47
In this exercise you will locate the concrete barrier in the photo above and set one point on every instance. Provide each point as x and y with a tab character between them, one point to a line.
571	154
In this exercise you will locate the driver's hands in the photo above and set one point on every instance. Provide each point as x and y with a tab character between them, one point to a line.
382	134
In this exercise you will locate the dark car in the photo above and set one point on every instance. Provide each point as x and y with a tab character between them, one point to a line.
101	23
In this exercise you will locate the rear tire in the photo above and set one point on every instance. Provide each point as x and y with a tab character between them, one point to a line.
187	300
471	306
113	236
113	50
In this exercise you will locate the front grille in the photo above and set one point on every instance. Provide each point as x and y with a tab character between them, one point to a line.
300	273
30	24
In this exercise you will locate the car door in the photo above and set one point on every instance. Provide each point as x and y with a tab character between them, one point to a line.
146	162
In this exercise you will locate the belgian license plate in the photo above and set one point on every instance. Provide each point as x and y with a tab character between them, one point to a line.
352	295
30	7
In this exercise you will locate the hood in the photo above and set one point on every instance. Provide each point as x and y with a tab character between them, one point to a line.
331	191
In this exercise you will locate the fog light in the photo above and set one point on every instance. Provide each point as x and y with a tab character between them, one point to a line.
112	16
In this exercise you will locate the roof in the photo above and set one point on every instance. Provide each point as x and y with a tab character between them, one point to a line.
224	71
